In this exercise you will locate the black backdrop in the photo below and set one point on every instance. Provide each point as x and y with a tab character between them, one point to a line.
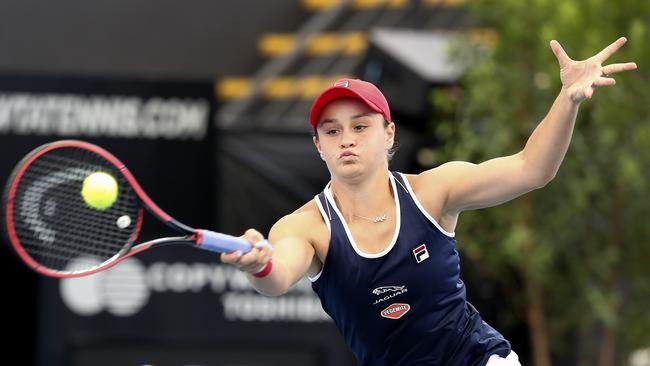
34	112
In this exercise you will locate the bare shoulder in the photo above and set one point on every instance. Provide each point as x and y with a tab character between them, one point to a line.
438	180
304	223
307	214
422	182
446	173
432	188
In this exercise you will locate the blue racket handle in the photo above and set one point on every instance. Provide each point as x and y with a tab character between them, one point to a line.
223	243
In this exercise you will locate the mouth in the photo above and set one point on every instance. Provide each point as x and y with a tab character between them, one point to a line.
347	155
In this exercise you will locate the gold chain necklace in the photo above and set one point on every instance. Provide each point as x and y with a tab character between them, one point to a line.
377	219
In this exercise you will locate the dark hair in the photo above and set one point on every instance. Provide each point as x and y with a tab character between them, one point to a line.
391	151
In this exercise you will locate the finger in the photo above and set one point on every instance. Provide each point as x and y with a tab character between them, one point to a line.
611	49
265	248
266	253
249	257
614	68
253	267
589	92
263	244
231	258
559	52
253	235
603	81
255	260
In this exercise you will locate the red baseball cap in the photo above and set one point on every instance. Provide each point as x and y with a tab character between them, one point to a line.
350	88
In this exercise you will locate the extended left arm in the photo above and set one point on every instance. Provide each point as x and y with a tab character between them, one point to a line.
549	142
472	186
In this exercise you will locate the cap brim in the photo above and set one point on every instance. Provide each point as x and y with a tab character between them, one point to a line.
334	93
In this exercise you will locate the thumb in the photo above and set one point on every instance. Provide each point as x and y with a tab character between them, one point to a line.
559	53
253	236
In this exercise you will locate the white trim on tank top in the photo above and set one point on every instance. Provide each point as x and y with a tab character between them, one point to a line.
330	198
424	212
329	230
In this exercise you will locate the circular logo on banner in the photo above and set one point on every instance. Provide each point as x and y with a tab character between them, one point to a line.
121	290
126	289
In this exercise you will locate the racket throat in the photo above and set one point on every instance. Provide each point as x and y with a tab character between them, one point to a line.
179	226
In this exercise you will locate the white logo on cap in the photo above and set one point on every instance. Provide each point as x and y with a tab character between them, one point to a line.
343	83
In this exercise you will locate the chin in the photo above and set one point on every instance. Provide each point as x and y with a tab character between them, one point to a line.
348	170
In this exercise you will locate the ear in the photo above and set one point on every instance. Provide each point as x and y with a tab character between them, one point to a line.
390	135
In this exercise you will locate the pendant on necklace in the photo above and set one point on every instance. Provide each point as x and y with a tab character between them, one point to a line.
380	218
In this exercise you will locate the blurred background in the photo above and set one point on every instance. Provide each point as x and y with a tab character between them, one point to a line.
207	103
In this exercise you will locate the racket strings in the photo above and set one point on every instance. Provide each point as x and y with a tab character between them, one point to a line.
73	237
69	240
53	222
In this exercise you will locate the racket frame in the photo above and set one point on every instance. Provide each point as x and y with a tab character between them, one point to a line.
192	236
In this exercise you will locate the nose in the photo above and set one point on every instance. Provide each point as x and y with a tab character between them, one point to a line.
347	140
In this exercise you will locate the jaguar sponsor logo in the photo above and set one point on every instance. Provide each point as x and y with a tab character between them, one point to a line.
382	289
395	311
390	291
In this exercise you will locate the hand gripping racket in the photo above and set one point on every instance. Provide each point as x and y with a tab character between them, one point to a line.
56	232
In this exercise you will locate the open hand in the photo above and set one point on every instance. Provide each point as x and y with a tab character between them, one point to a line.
580	78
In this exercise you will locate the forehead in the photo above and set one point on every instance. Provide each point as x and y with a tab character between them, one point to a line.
343	109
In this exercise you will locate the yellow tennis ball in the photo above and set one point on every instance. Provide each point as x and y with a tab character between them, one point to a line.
99	190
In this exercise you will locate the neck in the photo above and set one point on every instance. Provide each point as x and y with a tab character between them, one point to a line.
369	197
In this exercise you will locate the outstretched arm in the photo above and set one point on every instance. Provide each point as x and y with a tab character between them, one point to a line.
472	186
291	256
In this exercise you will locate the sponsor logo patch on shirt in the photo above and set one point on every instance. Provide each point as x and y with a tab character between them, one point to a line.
382	289
388	292
421	253
395	311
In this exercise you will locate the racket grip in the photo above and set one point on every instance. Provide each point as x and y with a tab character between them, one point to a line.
222	243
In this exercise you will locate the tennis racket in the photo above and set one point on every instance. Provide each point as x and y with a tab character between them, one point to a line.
57	233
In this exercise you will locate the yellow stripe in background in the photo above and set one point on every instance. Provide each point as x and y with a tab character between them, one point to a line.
311	86
322	5
318	5
354	43
322	44
318	44
233	87
276	44
282	87
305	87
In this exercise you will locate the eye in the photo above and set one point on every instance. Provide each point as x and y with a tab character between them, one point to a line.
360	127
331	132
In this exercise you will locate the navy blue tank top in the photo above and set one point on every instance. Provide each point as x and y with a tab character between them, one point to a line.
407	304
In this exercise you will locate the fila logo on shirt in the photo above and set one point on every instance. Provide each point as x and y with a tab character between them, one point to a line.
421	253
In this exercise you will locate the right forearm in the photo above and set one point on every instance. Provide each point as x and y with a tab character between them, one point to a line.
276	283
290	258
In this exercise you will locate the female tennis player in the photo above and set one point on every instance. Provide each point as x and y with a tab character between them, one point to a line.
379	246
